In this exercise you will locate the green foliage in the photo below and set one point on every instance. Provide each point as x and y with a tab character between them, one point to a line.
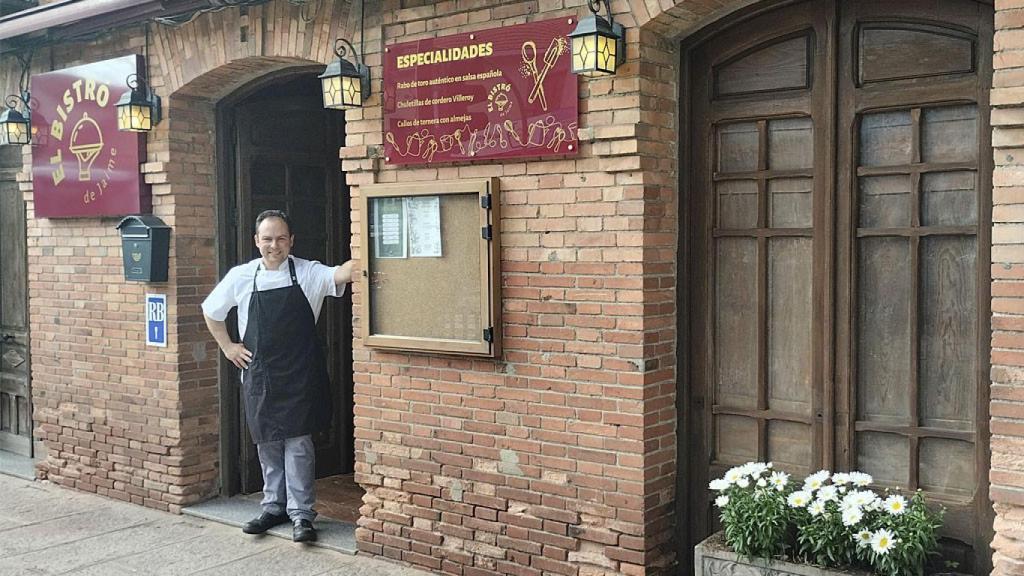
824	540
833	520
914	535
756	522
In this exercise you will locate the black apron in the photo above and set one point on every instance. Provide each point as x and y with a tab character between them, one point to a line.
286	388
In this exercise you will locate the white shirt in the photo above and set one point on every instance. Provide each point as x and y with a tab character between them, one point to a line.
235	289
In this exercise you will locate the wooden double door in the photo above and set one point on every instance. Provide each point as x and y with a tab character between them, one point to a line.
282	147
837	214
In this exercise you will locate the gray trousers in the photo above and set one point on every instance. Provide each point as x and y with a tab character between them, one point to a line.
289	477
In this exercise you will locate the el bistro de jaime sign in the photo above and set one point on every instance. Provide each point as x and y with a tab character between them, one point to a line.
500	93
81	164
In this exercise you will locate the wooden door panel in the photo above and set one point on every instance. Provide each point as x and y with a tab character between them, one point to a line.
912	221
756	197
15	394
837	216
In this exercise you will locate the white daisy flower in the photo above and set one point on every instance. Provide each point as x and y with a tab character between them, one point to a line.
733	474
882	541
816	508
852	516
761	482
840	478
863	498
827	493
719	484
722	501
756	468
895	505
779	480
821	475
812	484
798	499
743	482
863	538
861	479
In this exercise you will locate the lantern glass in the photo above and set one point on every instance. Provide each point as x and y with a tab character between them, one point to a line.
584	53
15	131
351	92
135	117
606	54
331	86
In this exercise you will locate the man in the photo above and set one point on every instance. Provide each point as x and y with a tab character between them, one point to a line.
285	387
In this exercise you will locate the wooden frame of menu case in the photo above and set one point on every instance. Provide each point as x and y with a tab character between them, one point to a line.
486	227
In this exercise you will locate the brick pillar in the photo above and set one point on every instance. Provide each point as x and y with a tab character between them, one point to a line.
1007	408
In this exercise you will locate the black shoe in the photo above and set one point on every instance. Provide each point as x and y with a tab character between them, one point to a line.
303	532
264	522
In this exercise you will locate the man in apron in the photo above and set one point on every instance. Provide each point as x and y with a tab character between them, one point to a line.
285	386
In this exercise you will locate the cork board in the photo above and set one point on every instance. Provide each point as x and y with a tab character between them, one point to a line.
429	268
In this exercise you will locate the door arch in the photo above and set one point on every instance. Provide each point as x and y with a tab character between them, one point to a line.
837	228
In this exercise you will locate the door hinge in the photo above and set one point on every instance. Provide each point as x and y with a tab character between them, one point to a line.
486	232
488	334
485	202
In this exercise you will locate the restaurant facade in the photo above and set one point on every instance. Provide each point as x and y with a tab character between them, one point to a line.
778	230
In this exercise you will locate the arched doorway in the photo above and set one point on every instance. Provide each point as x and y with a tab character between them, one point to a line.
278	148
837	205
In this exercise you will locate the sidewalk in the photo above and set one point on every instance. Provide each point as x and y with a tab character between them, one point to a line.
48	530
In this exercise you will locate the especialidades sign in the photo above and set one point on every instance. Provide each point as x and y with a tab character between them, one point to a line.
506	92
82	165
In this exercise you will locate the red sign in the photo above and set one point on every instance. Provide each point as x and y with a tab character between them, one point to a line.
501	93
82	165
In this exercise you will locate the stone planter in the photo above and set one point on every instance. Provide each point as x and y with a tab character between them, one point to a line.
713	558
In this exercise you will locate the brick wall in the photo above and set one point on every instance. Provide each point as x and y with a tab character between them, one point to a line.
559	457
116	417
1007	472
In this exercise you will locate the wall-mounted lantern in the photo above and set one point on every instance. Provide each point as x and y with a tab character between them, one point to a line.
344	84
138	110
598	45
15	127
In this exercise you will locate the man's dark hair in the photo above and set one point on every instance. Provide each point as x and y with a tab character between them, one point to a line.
272	214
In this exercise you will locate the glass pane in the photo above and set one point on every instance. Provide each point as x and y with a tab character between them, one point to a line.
885	456
949	199
737	147
737	204
883	329
736	439
884	201
949	134
789	447
790	144
736	323
947	466
791	203
885	138
789	324
948	381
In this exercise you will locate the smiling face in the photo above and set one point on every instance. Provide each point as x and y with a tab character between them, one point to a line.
275	241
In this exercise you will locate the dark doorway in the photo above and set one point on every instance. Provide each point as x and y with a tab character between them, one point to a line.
280	150
837	213
15	395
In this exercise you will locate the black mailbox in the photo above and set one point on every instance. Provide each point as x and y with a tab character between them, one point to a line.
145	243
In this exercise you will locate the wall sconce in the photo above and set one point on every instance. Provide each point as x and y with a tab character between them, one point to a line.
344	84
598	45
138	110
15	127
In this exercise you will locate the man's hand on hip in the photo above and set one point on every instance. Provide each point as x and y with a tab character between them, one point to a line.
237	354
